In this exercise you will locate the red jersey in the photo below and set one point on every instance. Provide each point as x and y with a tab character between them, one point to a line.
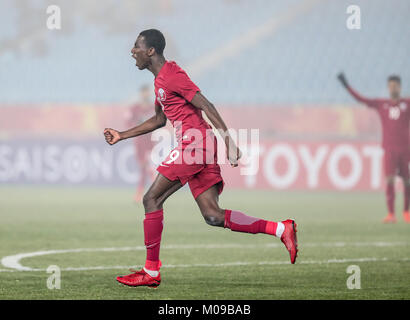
395	119
174	92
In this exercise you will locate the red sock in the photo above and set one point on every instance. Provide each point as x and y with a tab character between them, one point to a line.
390	197
406	197
240	222
153	225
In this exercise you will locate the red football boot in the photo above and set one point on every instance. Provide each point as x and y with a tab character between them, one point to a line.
290	240
390	218
140	278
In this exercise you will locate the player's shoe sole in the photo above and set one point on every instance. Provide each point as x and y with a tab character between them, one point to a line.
151	286
290	240
140	279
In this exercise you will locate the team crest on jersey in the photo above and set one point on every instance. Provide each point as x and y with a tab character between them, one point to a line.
403	106
162	95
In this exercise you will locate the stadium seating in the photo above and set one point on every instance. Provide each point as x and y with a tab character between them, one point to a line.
295	63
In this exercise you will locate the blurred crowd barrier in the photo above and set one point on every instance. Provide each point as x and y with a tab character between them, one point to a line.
314	148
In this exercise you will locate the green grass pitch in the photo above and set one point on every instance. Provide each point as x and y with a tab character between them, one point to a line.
336	229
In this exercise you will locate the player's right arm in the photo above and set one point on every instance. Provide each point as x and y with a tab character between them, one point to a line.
157	121
233	152
354	93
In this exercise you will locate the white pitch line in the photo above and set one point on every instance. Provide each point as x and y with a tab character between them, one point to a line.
13	261
227	264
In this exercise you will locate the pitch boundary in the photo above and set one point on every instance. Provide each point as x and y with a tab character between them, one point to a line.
12	263
228	264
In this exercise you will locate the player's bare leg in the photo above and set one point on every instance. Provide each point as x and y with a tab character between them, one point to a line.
153	200
240	222
390	196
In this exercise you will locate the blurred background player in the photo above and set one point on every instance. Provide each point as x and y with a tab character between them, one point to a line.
395	117
140	112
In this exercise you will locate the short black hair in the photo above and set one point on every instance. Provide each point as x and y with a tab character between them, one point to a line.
394	77
154	39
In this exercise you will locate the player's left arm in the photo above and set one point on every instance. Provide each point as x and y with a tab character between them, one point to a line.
201	102
155	122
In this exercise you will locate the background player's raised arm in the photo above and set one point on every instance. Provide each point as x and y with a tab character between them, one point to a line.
355	94
233	152
157	121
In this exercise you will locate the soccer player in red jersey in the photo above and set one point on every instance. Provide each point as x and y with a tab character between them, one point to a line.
181	101
139	112
395	118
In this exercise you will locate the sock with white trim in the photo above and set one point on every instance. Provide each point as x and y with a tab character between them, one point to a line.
240	222
153	225
152	273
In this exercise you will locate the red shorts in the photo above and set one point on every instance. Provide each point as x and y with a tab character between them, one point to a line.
197	165
396	162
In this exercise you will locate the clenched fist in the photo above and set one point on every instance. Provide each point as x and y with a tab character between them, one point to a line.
111	136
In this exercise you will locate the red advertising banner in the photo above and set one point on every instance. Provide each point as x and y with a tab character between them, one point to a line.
291	122
313	166
300	148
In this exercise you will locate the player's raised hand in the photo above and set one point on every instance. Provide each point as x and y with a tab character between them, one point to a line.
234	154
342	79
111	136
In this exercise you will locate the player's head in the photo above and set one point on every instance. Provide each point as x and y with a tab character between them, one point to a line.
394	85
149	44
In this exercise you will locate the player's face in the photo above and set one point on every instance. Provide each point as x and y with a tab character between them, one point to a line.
394	89
140	54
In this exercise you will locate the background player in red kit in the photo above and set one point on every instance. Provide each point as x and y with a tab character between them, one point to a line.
140	112
181	101
395	118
